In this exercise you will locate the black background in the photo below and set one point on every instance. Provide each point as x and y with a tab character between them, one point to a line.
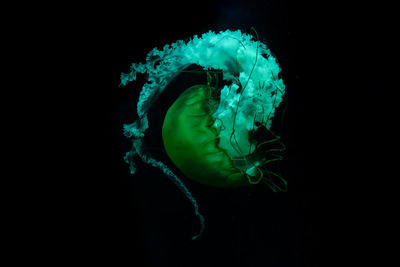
336	64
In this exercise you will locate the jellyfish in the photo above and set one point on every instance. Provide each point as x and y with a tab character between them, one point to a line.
217	133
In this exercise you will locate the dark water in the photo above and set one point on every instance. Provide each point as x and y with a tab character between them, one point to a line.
144	220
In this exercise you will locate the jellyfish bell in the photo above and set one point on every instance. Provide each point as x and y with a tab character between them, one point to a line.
216	135
191	141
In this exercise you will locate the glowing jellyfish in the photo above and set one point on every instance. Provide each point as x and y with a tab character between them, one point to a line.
216	136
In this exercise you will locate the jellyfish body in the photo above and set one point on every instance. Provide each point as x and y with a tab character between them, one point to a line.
219	136
191	141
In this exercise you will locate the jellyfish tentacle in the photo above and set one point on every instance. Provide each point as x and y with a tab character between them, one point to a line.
273	160
173	178
237	147
274	187
258	179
